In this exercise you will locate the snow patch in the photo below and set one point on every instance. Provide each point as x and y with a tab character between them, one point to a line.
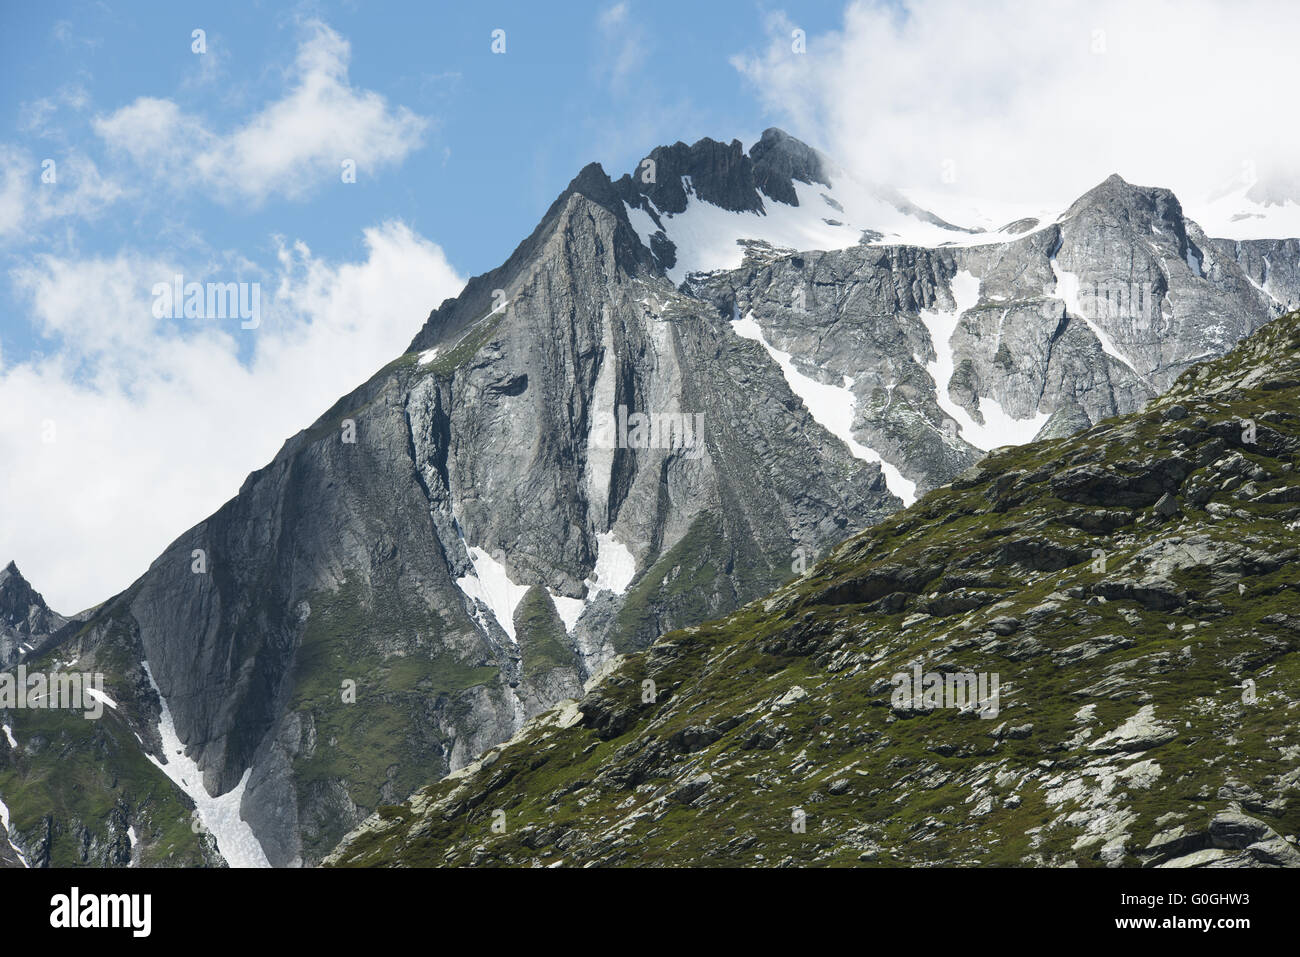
4	819
9	735
831	406
569	609
705	235
491	585
615	568
1236	216
615	565
1067	290
99	696
219	815
983	212
999	428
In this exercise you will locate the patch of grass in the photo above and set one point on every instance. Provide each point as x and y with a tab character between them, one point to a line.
543	640
367	686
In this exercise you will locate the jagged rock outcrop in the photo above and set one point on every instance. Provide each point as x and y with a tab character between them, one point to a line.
26	622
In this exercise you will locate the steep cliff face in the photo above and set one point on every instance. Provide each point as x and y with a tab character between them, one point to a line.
1081	652
588	448
1271	265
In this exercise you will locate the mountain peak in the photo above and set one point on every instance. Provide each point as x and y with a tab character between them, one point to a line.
16	593
718	173
478	297
593	182
1116	199
1116	188
715	172
780	160
24	616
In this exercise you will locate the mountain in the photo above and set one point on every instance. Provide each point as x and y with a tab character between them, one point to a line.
464	538
26	622
590	446
1122	603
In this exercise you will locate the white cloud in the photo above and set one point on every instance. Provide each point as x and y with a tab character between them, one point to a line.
1040	101
27	201
293	145
64	33
157	422
623	47
34	116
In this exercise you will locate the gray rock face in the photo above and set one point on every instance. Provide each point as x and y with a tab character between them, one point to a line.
1272	265
26	622
724	175
1082	319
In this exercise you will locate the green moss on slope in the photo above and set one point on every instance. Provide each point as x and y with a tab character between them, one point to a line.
367	680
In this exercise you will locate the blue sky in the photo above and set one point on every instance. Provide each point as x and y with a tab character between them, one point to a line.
121	427
500	134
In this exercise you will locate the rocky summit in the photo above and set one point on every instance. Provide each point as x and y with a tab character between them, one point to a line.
1081	651
681	390
26	622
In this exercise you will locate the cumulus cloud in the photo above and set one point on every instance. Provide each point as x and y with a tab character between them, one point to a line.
291	146
135	428
1019	100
